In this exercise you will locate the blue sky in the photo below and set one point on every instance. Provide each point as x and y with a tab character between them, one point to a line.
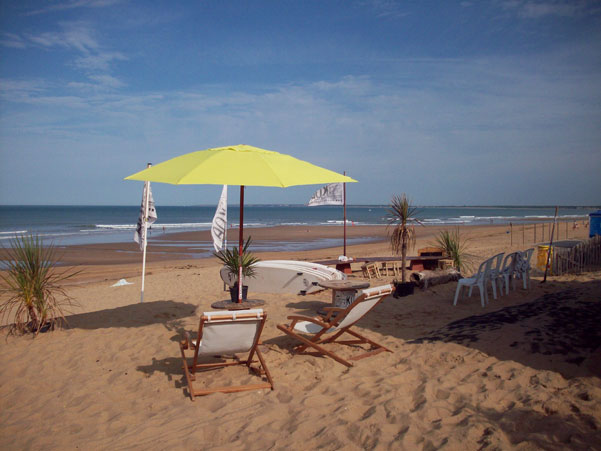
453	102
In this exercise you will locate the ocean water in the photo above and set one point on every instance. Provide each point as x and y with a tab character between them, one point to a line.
67	225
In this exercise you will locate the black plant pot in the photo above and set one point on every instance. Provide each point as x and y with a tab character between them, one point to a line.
402	289
234	292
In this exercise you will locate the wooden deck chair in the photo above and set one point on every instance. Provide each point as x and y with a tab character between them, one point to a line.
338	321
371	270
386	268
390	268
225	334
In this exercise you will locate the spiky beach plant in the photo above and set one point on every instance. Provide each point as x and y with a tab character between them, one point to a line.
401	215
455	246
32	286
231	259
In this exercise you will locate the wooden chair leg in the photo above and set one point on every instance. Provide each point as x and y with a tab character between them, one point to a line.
319	348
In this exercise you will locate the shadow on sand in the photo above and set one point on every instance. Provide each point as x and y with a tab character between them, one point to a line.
134	315
558	331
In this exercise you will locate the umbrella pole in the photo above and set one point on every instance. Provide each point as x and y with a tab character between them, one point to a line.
241	243
344	201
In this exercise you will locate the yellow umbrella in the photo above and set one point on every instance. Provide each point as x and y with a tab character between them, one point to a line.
238	165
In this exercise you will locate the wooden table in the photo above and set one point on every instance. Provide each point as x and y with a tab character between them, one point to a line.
416	263
227	304
343	291
344	266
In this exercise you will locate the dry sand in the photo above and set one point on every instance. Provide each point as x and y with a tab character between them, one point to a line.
522	373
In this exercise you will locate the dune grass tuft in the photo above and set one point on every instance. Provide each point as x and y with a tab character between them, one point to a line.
455	246
32	289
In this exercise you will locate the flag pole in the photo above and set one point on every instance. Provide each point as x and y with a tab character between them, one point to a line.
344	208
146	202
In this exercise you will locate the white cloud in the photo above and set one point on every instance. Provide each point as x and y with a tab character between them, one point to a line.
22	86
75	35
98	61
107	81
535	9
92	58
385	8
73	4
12	40
482	126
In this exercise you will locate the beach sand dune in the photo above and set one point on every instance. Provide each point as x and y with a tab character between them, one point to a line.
522	373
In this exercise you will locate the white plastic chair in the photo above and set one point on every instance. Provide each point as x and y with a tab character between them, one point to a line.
494	272
523	267
477	280
508	271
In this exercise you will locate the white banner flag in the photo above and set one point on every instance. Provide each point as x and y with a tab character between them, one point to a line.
219	226
140	234
331	194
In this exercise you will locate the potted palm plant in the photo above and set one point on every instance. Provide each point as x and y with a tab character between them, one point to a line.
401	216
231	260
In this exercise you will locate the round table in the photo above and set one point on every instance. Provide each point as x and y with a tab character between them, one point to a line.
227	304
343	291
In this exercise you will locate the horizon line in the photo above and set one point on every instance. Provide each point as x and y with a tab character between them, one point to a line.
277	204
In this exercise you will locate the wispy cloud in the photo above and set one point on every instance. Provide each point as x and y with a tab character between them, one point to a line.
94	60
75	35
100	60
500	115
73	4
12	40
386	8
107	81
534	9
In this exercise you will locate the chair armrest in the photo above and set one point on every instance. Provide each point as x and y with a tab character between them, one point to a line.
331	310
312	319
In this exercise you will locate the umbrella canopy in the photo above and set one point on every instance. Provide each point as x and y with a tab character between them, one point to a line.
238	165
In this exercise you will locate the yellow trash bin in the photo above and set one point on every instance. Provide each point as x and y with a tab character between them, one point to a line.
541	258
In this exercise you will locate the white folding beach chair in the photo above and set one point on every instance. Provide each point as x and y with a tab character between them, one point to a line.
222	335
477	280
314	332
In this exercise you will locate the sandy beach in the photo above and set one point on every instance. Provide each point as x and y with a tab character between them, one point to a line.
522	373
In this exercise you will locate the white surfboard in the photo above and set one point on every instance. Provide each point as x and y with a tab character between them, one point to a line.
277	276
329	273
